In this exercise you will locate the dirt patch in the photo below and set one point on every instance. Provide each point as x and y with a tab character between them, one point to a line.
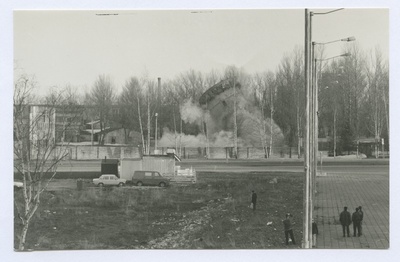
212	213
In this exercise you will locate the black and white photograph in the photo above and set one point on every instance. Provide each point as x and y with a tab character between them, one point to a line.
199	129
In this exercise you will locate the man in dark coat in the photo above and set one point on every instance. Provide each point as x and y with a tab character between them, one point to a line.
314	233
356	217
345	221
362	217
287	225
254	199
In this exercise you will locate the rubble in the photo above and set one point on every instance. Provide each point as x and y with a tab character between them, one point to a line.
193	222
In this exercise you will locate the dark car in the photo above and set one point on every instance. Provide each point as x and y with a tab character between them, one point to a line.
149	178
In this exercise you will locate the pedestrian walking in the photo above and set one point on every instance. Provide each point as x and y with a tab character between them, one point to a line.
287	225
253	200
345	221
356	217
314	233
362	217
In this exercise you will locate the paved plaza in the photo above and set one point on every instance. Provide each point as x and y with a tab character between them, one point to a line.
336	190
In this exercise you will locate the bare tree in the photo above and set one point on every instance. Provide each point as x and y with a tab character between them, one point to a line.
131	106
290	98
102	96
35	151
353	82
264	88
376	105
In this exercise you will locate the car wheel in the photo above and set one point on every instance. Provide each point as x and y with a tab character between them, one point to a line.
100	184
139	183
121	184
162	184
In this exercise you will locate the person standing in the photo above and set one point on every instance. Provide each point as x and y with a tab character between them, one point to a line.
362	217
254	199
356	217
287	224
314	233
345	221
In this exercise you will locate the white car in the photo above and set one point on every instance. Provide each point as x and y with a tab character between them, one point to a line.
109	180
18	185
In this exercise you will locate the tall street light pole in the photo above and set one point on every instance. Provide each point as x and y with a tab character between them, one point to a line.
309	141
306	194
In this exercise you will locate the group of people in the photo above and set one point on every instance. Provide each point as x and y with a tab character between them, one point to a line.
346	219
356	218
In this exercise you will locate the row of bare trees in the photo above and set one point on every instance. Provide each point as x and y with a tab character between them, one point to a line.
354	95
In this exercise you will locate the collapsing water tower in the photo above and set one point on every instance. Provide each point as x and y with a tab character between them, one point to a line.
219	102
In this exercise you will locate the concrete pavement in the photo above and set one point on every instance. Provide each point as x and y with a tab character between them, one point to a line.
336	190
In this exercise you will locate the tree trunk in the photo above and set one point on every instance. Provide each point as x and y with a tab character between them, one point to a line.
176	141
148	123
22	236
298	133
235	146
140	123
385	103
180	139
334	131
271	128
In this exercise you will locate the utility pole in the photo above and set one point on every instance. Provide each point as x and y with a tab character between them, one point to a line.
307	204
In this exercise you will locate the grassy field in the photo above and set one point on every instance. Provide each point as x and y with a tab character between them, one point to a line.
211	214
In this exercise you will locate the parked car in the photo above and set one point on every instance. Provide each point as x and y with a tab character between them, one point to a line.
109	180
149	178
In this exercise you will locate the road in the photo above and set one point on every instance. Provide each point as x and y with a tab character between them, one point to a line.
364	166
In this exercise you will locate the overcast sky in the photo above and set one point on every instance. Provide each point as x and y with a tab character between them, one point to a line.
74	47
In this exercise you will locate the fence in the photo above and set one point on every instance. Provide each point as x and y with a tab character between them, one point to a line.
79	152
88	152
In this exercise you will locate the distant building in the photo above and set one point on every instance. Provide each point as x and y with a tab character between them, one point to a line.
66	124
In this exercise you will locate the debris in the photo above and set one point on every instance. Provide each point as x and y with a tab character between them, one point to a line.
235	220
274	181
269	223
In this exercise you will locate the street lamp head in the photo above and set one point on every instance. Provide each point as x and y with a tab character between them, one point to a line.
346	54
349	39
156	114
